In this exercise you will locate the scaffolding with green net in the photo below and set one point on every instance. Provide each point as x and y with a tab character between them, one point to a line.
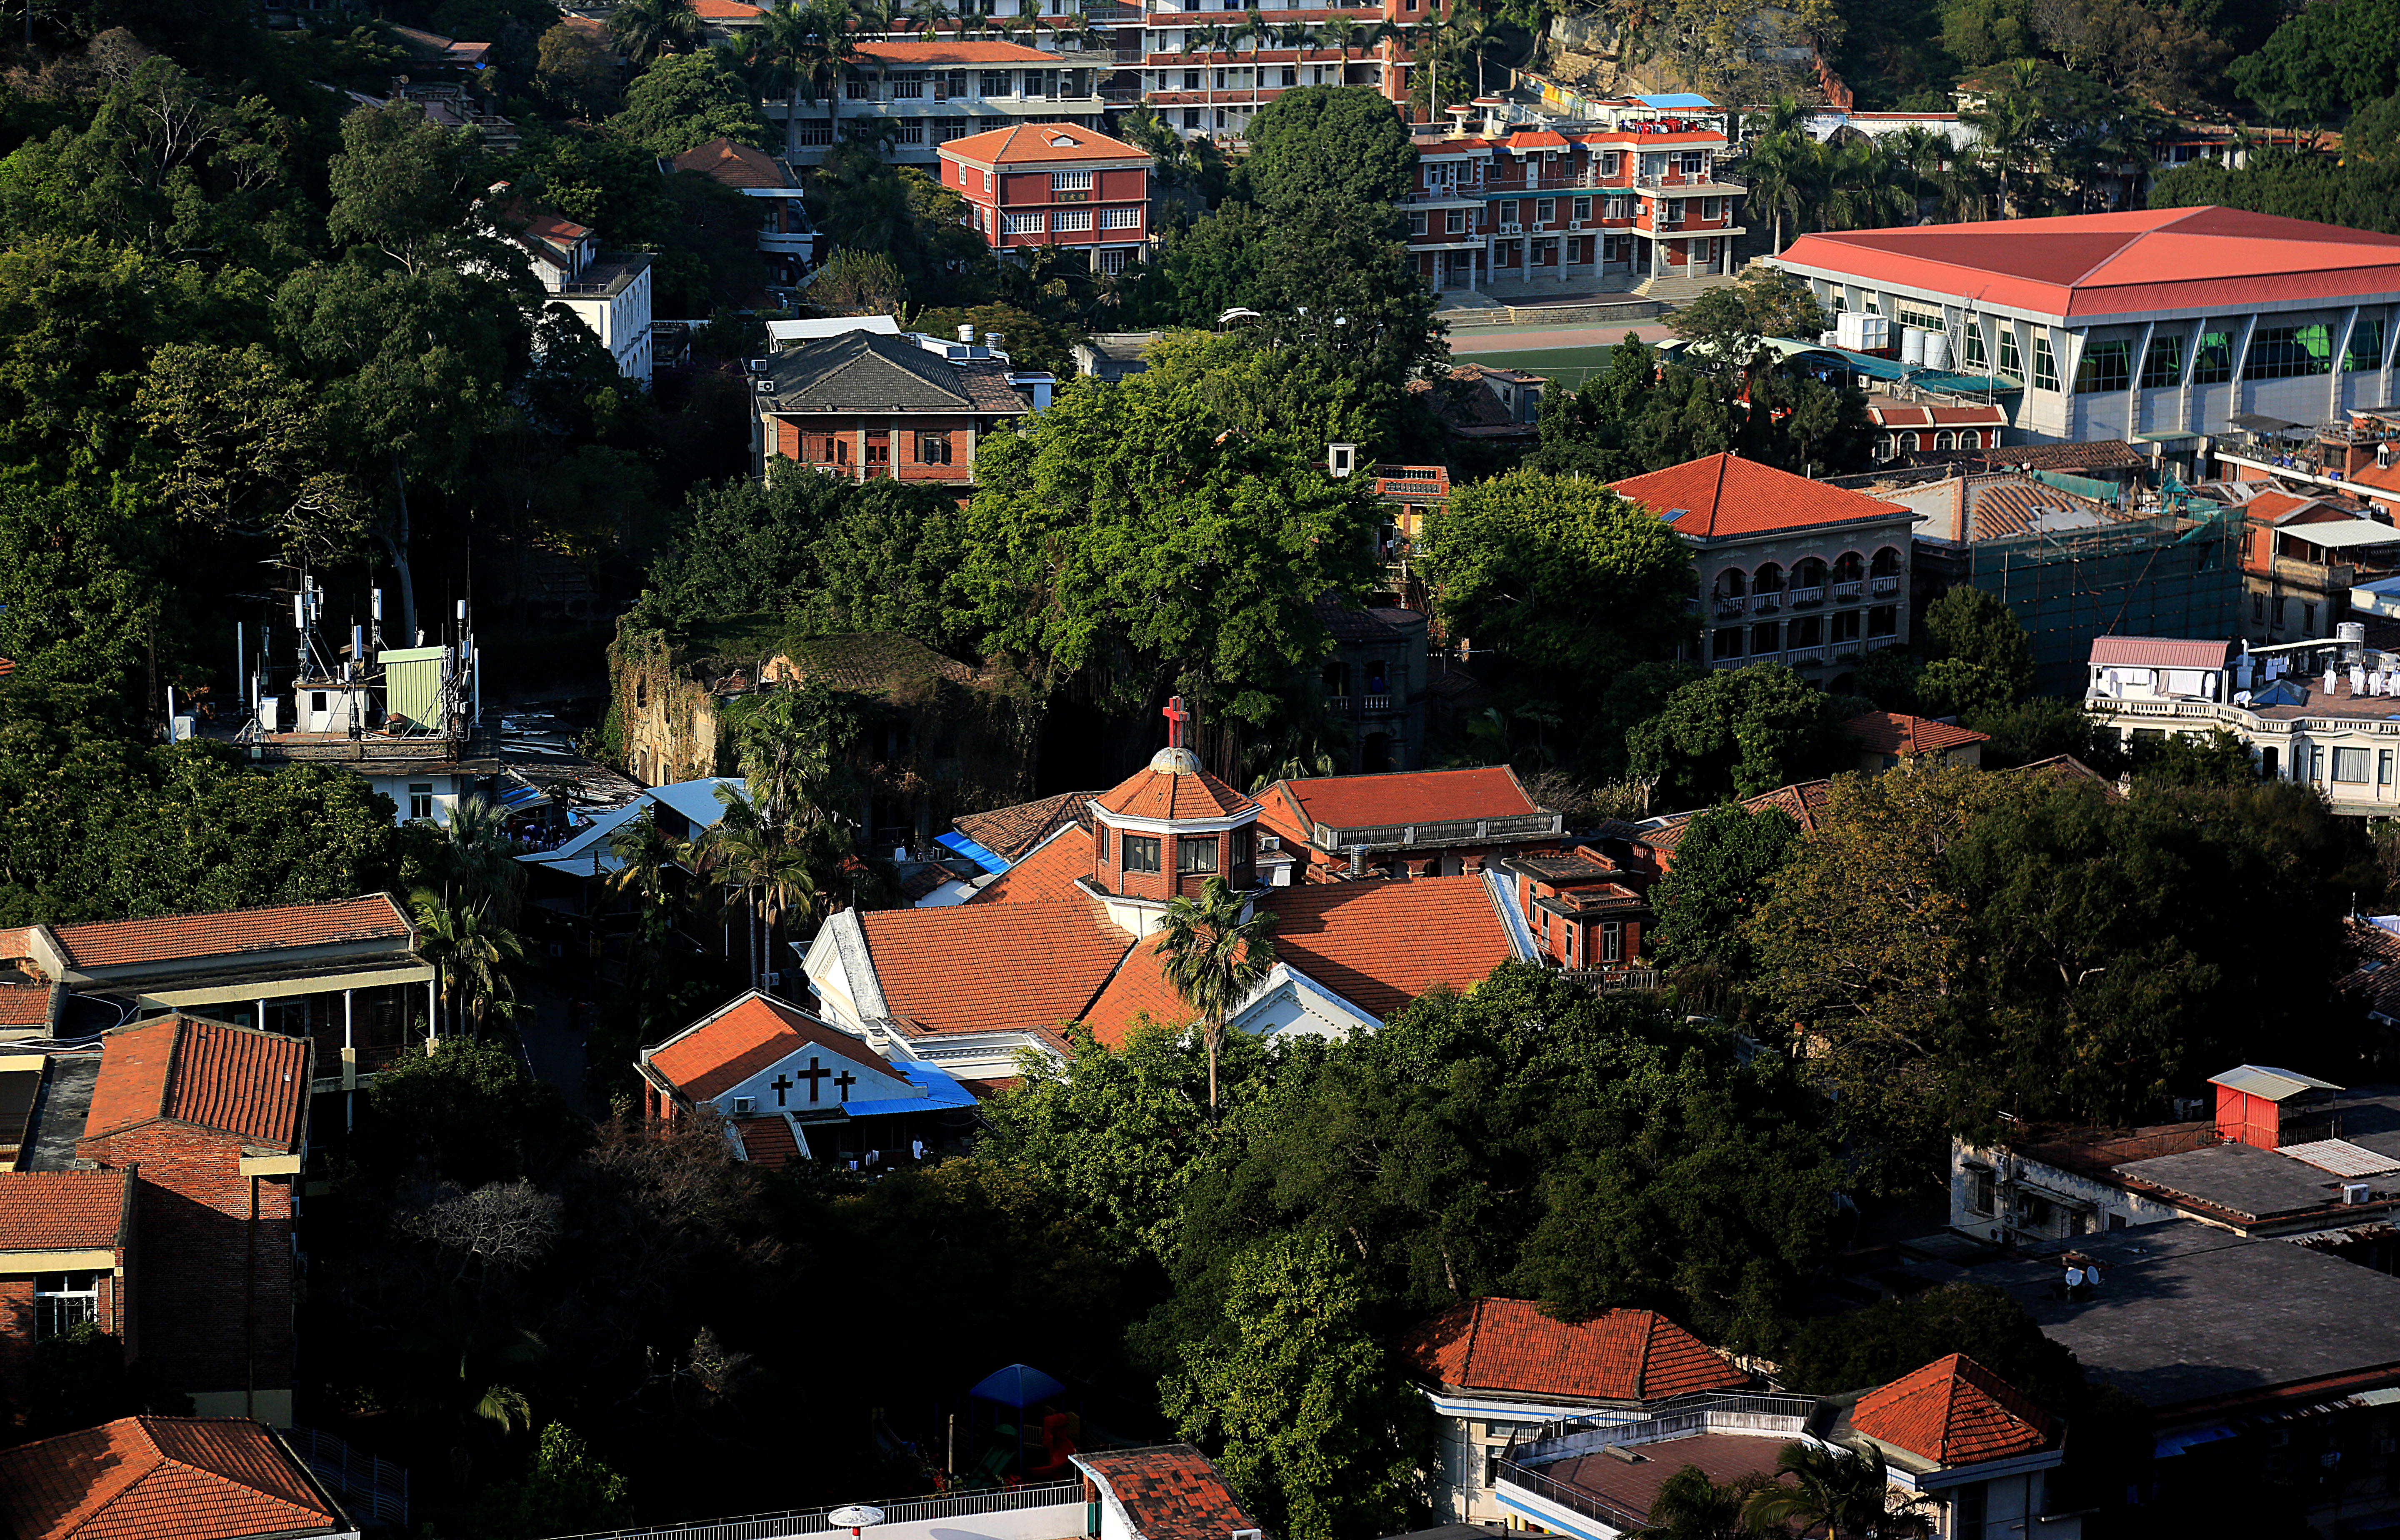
2175	572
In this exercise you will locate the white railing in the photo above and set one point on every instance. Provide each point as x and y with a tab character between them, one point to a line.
1374	703
1766	604
1807	596
1886	585
1845	592
1731	604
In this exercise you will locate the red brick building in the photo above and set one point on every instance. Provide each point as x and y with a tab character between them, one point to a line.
1587	911
863	405
1054	185
66	1252
1439	822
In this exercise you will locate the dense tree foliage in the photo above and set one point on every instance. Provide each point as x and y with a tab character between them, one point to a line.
1723	861
1737	732
1639	415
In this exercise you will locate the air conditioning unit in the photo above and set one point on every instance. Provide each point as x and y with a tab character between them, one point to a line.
1512	229
744	1106
2357	1192
766	387
756	366
1575	224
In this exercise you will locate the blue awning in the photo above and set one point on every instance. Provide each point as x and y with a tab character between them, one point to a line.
943	1093
1675	98
972	852
1018	1385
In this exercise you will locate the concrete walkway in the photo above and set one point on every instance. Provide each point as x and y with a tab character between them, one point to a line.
1521	339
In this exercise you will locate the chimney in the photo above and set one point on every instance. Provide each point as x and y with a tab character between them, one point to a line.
966	333
992	340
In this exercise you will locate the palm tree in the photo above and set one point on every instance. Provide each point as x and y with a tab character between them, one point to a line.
644	28
827	47
468	952
1690	1507
2011	125
482	858
766	866
645	854
1477	31
784	50
1214	952
1848	1492
927	17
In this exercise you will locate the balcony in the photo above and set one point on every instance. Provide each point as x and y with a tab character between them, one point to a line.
1804	657
1375	702
1807	598
2321	576
1731	604
1884	585
1711	186
1453	831
1766	603
1847	594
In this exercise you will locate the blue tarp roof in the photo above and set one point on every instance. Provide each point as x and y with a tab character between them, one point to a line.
942	1093
972	852
1018	1385
1675	98
697	801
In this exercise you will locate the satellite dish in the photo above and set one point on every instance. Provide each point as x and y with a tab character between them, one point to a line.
856	1517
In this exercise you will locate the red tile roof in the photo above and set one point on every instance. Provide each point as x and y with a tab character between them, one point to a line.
1044	875
1900	415
1137	989
1509	1346
236	1080
1168	1493
116	943
722	1051
28	1005
2085	266
161	1479
1803	800
64	1210
1953	1413
907	53
2160	653
1380	945
1010	832
1724	495
767	1142
1149	793
734	165
1891	732
1407	796
992	967
1026	143
725	10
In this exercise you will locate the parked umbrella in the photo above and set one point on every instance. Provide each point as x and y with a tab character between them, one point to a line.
1018	1385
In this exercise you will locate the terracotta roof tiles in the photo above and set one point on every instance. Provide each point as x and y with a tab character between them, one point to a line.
1954	1412
734	165
726	1049
767	1142
1044	875
1803	800
1724	494
1026	144
1408	797
116	943
236	1080
1380	945
24	1003
161	1479
1892	732
1010	832
992	967
1137	989
64	1210
908	53
1150	793
1509	1346
1168	1493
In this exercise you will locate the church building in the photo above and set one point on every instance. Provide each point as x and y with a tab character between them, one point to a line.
1067	934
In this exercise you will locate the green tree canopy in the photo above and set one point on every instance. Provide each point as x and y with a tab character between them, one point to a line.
1723	862
1560	575
2327	61
1341	143
688	99
1983	661
1737	732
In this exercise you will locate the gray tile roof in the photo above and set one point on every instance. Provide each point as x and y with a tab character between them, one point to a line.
2259	1183
865	372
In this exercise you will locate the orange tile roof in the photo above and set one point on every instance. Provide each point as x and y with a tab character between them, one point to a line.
1150	793
1010	832
1408	797
1138	989
27	1005
64	1210
992	967
910	53
1892	732
116	942
1028	144
734	165
1803	800
1045	874
1380	945
725	10
1722	495
161	1479
1954	1412
1509	1346
236	1080
1169	1492
767	1142
724	1050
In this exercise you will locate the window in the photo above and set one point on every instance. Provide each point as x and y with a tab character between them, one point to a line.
2365	349
63	1301
1709	209
1974	439
1944	441
1975	359
1191	80
1100	839
2045	363
1609	162
2350	765
1120	219
1070	181
1291	76
2162	365
1237	847
859	88
1612	941
2257	609
1113	262
420	799
1195	854
2106	366
2011	364
1729	641
2285	352
1766	637
816	131
1581	209
911	86
317	702
1924	321
1908	443
2309	618
1417	221
1140	852
879	451
1846	626
1072	219
1192	119
1545	210
1021	224
933	449
2383	767
1979	1191
995	83
2316	764
1453	222
2211	362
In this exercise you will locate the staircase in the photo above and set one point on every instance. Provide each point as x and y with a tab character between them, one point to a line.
1674	286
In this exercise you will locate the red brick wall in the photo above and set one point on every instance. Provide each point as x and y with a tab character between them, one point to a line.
192	1214
17	1319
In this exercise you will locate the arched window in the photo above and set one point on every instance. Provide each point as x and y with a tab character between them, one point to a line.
1808	579
1768	580
1944	441
1732	583
1886	564
1849	567
1970	440
1907	444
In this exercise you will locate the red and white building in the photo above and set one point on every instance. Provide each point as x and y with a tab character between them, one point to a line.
1918	428
2165	326
1054	185
1638	196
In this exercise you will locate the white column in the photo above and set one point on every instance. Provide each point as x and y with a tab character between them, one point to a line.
2133	379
